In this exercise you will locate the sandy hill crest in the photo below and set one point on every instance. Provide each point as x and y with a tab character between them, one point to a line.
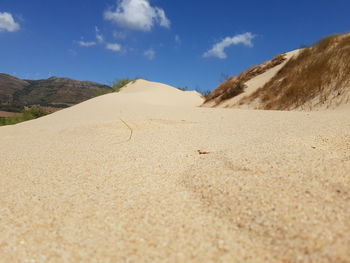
138	96
316	77
160	94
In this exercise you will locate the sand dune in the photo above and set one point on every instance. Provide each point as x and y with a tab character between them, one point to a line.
190	185
258	82
314	78
253	85
160	94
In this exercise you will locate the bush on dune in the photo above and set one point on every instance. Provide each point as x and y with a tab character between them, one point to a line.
232	87
118	84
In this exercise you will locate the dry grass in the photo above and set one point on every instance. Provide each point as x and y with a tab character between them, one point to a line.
235	89
317	75
220	89
234	86
228	89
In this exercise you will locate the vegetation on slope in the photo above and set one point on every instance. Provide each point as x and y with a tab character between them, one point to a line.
234	86
27	114
204	93
319	76
118	84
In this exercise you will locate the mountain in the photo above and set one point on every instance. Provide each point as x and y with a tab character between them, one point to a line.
312	78
53	93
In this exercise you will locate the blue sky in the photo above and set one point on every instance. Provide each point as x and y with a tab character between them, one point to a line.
182	43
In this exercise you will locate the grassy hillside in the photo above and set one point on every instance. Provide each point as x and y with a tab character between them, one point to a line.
234	86
318	78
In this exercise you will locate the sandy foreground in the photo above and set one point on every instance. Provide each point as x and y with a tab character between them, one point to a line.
146	176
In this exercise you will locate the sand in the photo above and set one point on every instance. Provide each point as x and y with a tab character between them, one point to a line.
271	187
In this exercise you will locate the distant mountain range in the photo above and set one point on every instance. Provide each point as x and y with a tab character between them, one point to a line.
52	94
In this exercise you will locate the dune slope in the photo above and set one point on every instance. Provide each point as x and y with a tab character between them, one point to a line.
312	78
142	176
254	84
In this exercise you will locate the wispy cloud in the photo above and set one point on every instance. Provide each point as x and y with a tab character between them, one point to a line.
218	50
100	41
177	39
119	35
150	54
7	23
114	47
99	36
137	15
86	43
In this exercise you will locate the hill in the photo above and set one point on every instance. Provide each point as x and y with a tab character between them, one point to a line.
316	77
53	93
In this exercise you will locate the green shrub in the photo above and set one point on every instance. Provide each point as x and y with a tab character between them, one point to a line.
240	86
34	112
118	84
27	114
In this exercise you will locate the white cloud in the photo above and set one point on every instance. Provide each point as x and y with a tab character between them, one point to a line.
7	23
161	18
150	54
114	47
99	39
218	50
86	43
137	15
99	36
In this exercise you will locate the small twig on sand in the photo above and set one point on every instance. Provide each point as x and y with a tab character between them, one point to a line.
201	152
131	130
